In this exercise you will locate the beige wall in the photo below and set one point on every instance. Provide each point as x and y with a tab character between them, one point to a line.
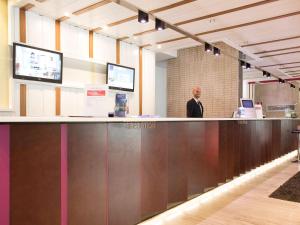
4	59
276	94
217	76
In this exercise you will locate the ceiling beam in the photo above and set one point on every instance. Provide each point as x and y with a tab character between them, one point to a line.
161	9
61	19
216	14
269	42
277	50
292	71
91	7
244	7
286	53
281	64
174	5
27	7
250	23
290	67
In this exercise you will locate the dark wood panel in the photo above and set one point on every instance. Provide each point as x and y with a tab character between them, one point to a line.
196	145
228	151
211	154
87	174
244	133
276	138
177	162
203	156
124	181
154	175
35	174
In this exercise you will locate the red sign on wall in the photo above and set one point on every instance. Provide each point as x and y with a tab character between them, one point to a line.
95	92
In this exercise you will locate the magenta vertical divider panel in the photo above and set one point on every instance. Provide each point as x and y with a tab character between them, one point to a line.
4	174
64	174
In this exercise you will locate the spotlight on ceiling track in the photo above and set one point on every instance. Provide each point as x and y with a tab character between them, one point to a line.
268	75
265	73
248	66
281	81
292	86
217	51
208	47
159	25
143	17
243	64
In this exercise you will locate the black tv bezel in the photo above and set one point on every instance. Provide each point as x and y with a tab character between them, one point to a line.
23	77
118	88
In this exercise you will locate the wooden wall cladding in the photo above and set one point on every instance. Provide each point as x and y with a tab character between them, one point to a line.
124	179
177	162
229	156
35	174
203	144
154	171
87	174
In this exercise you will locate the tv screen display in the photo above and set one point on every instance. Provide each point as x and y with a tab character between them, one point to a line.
31	63
247	103
120	77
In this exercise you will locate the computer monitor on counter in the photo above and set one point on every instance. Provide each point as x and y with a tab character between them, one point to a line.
247	103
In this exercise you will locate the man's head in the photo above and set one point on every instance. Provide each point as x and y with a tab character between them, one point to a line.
196	92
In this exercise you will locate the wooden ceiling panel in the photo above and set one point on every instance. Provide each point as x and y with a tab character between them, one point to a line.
278	50
261	32
59	8
127	29
173	46
200	8
244	17
102	16
155	38
152	4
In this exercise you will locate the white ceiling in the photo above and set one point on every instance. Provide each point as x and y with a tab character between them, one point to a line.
259	32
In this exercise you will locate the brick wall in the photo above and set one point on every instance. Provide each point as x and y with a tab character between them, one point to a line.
218	78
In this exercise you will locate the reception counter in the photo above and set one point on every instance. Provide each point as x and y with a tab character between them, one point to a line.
79	171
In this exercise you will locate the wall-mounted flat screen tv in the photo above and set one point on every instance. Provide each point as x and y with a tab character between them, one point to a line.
120	77
32	63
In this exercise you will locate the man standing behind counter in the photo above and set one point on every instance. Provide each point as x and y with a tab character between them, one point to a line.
194	107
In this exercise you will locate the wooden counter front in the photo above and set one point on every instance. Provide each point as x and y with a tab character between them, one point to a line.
124	172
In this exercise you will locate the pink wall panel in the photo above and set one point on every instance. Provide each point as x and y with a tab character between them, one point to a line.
4	174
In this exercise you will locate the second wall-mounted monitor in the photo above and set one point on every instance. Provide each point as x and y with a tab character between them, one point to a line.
120	77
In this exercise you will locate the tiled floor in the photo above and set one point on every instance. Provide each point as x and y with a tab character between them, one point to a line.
245	204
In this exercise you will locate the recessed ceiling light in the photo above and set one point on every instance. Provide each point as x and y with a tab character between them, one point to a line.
135	37
159	46
67	14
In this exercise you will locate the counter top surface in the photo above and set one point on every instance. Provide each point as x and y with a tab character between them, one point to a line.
106	120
